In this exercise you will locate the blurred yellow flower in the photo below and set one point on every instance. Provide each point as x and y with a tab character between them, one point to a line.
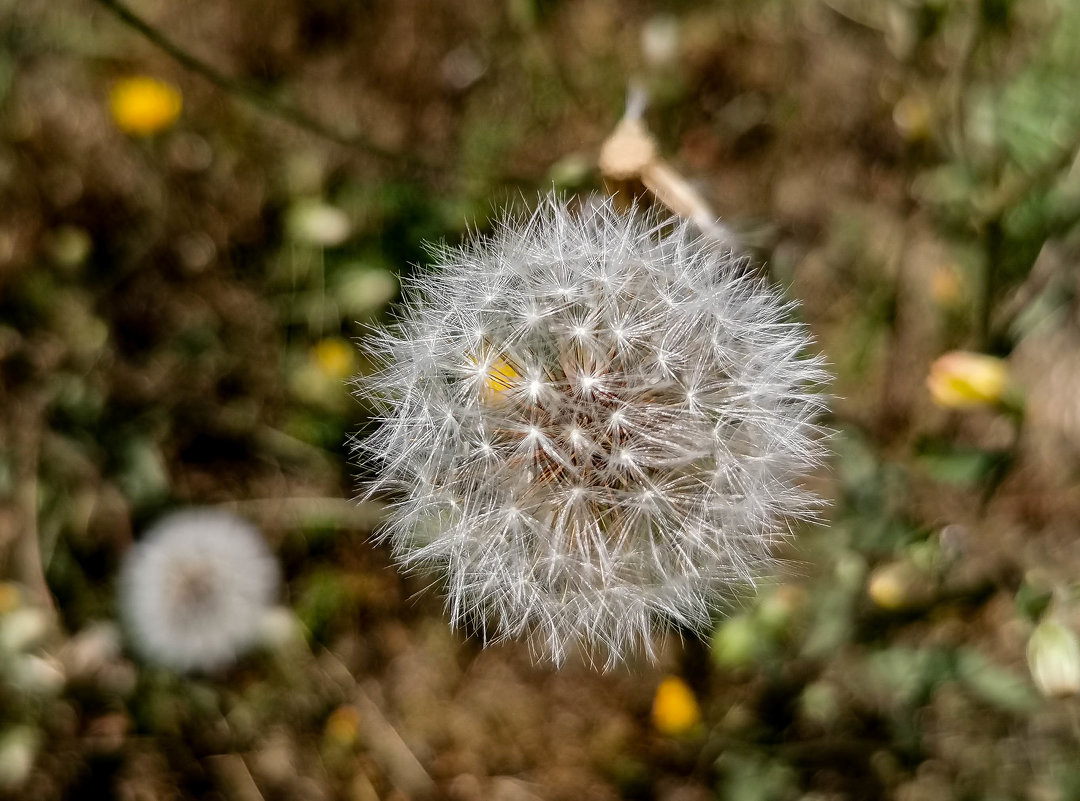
898	585
946	287
961	380
675	710
886	587
335	357
142	106
343	725
10	597
912	115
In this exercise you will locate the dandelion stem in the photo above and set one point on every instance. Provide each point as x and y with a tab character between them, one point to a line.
308	510
257	96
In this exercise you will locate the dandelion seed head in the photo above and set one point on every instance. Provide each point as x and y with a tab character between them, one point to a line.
625	446
194	590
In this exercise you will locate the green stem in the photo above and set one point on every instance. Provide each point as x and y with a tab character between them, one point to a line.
1011	192
993	242
959	83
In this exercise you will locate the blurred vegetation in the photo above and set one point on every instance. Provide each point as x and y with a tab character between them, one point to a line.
182	273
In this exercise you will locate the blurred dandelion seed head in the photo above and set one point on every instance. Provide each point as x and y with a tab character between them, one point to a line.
594	425
314	222
194	590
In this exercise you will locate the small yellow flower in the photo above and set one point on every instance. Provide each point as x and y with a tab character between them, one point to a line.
886	588
946	286
963	380
335	357
143	106
912	116
898	585
343	725
10	597
675	711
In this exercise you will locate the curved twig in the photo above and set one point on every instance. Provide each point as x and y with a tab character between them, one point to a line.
256	96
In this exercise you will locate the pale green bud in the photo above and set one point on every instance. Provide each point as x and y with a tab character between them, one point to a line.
1054	659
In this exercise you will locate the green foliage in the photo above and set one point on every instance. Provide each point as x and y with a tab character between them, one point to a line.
750	777
179	315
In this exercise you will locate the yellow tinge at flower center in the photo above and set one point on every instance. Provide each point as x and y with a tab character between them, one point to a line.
500	377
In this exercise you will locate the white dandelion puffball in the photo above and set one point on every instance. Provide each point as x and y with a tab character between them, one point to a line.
594	425
194	590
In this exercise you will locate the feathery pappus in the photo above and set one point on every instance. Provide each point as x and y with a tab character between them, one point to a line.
194	589
594	425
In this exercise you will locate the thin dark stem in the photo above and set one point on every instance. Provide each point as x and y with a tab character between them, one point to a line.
256	96
960	79
27	564
1011	192
993	243
989	220
1006	462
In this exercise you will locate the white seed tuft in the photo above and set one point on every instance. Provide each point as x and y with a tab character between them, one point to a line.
594	425
194	590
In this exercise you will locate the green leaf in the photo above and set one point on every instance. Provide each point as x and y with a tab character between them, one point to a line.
960	466
908	675
993	684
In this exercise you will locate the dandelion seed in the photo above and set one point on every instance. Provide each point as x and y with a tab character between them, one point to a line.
610	447
194	590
